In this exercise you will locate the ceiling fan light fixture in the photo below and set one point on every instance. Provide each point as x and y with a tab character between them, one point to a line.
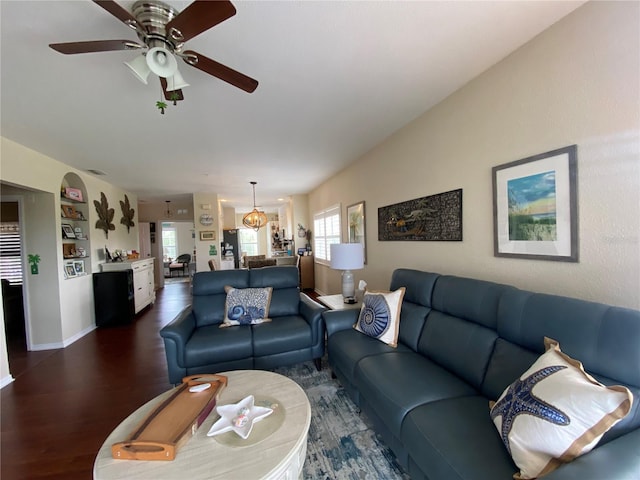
255	219
139	68
162	62
176	82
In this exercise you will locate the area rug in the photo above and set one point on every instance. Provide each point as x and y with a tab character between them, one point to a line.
340	445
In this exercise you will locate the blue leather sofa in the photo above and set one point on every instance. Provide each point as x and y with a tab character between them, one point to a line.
461	343
194	343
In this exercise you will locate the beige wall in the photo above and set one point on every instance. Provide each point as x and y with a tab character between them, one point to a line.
60	311
576	83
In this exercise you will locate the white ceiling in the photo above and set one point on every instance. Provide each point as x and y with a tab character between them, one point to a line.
336	78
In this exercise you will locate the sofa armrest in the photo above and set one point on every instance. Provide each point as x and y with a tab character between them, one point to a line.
619	459
178	331
311	311
336	320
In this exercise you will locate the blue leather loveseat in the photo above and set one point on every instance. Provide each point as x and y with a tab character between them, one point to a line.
461	343
195	343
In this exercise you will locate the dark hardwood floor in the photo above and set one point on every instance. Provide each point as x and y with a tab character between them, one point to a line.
64	403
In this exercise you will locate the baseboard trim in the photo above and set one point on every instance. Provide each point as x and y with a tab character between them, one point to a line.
79	335
63	344
6	381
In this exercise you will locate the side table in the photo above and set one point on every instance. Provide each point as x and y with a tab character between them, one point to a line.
336	302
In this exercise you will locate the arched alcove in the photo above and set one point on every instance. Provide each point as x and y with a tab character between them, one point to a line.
75	227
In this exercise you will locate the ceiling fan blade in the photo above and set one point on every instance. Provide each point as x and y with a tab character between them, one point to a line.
117	11
201	15
71	48
170	95
220	71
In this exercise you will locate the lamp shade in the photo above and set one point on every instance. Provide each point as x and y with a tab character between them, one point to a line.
161	62
139	68
176	82
347	256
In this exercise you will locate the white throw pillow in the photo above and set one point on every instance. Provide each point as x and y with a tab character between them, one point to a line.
555	412
380	315
246	306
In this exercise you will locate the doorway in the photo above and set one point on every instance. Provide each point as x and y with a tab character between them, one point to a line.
12	279
178	240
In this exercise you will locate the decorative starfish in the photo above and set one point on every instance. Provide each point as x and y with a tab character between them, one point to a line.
239	417
520	399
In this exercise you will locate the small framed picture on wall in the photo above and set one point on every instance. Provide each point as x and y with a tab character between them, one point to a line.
207	235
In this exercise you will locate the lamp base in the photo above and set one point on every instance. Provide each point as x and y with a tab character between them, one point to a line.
350	300
348	287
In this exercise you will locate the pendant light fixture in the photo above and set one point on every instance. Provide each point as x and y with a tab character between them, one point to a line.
254	219
168	213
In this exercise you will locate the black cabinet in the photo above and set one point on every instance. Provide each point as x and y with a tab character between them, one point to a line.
113	296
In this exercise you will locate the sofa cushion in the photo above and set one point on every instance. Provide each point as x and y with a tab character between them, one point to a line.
284	280
508	361
460	346
412	318
209	294
473	300
347	347
394	383
211	344
247	306
604	338
380	315
419	285
455	439
555	412
283	334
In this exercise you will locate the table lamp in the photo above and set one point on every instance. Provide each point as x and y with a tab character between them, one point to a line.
347	257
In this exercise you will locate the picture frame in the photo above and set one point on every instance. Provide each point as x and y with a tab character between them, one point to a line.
356	226
69	270
67	231
78	267
69	211
207	235
535	207
73	194
434	218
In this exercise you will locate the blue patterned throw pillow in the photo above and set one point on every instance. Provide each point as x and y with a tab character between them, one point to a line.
380	315
555	412
246	306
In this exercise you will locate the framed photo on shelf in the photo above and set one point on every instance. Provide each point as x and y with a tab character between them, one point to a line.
357	226
535	207
67	231
69	211
207	235
78	266
69	270
73	194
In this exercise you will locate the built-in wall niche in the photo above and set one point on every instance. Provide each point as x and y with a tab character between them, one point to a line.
74	216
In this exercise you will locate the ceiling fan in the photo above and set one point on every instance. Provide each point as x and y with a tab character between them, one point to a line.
163	31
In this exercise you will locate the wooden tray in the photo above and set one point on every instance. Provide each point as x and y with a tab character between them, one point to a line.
172	423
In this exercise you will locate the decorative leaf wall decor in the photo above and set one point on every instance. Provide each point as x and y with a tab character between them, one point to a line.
127	213
105	213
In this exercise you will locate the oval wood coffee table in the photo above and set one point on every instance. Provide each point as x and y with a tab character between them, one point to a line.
276	448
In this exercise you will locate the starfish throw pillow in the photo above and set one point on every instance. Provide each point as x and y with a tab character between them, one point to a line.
555	412
246	306
380	315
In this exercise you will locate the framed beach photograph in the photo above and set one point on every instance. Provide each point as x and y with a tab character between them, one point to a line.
357	226
69	270
535	207
67	231
78	266
208	235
